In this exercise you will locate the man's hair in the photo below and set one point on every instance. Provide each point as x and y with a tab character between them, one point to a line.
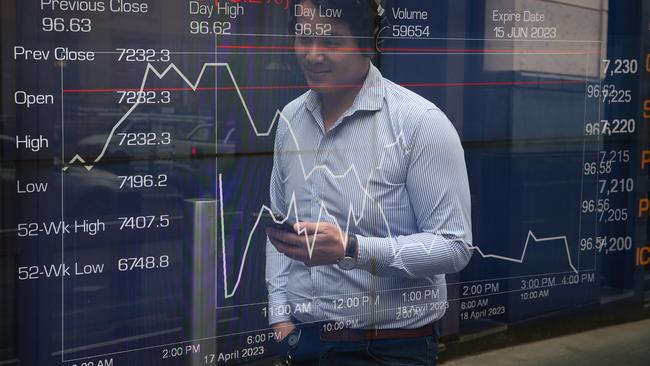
362	16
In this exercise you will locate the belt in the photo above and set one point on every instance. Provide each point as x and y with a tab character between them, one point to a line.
360	335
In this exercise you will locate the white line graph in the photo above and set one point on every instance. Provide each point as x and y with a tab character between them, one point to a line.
160	75
352	216
523	253
310	245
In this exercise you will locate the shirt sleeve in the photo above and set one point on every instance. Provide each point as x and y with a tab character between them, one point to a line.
277	264
438	190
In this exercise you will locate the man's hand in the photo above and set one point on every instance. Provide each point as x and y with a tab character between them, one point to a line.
282	329
327	241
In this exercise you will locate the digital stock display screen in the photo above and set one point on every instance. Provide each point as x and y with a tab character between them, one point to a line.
144	145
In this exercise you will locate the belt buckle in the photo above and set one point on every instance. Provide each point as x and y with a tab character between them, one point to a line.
292	340
370	334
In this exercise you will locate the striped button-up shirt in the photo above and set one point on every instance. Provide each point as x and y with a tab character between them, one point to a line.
391	170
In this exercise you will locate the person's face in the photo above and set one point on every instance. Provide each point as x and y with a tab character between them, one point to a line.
327	61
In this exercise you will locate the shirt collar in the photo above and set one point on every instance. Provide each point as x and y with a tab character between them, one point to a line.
369	98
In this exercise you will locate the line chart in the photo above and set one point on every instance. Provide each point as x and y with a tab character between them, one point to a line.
194	86
352	216
310	245
521	258
486	184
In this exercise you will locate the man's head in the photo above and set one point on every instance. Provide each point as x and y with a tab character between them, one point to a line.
335	40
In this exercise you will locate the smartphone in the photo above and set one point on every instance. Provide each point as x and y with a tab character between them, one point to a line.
272	220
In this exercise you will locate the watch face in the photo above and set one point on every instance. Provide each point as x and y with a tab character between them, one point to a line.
347	263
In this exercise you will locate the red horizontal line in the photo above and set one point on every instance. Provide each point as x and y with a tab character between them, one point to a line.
343	86
402	49
494	83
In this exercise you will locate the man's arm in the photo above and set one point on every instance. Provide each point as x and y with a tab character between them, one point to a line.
277	264
439	194
438	189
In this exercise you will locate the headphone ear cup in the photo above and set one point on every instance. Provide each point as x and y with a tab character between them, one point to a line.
383	25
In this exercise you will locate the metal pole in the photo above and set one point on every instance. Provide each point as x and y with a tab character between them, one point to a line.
200	273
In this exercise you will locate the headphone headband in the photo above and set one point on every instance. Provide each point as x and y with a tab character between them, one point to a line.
380	9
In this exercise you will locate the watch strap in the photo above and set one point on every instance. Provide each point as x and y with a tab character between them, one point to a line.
351	247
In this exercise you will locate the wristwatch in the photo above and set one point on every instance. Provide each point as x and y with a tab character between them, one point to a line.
349	261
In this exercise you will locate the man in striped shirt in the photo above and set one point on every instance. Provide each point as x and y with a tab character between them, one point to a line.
375	177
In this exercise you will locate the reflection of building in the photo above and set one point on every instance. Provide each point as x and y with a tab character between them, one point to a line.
565	20
520	112
513	78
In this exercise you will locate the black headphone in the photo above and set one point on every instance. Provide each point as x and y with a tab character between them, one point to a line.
382	25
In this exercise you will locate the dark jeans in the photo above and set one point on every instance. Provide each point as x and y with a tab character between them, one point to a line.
413	351
312	351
